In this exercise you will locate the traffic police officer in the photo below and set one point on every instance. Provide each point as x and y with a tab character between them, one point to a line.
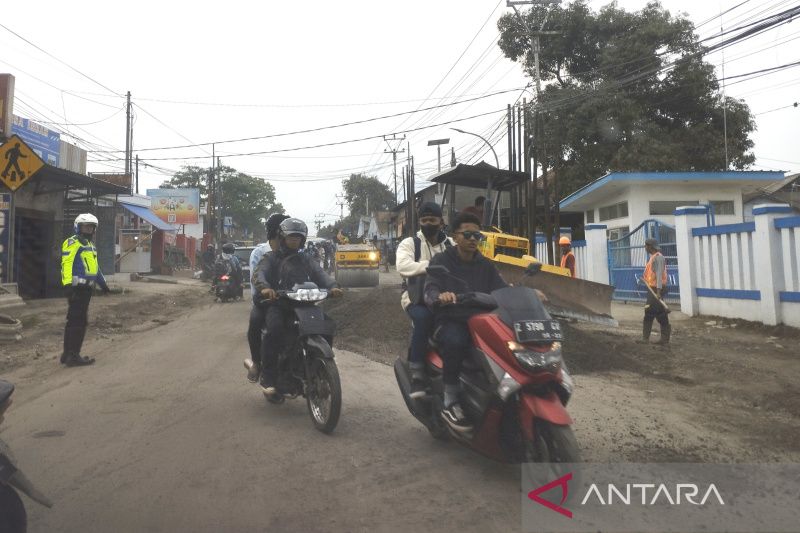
79	274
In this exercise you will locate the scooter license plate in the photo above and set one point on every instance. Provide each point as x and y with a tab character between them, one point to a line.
538	331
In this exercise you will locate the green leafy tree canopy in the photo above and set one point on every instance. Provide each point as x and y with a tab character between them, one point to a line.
360	187
626	91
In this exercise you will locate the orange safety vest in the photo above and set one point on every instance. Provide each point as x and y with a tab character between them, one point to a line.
650	275
564	263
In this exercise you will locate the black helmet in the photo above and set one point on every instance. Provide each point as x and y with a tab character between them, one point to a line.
228	248
273	224
294	226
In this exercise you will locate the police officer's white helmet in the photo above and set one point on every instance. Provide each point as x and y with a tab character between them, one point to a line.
85	218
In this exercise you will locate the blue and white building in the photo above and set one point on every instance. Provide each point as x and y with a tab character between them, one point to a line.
624	200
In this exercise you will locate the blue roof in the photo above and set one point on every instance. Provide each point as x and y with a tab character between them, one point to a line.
149	216
704	177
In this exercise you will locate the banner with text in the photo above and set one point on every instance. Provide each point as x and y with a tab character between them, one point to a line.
176	206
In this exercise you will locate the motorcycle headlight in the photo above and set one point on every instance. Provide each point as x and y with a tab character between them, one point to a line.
373	256
308	295
533	361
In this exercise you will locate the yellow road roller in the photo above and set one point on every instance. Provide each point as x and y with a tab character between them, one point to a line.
357	265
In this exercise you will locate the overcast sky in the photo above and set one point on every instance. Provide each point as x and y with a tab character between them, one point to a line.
274	67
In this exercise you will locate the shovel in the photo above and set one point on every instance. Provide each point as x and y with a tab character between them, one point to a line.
649	288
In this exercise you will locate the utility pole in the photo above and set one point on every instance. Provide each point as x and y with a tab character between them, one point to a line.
211	199
319	218
536	48
137	173
340	203
128	135
221	200
394	151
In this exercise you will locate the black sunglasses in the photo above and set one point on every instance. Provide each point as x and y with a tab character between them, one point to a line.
477	235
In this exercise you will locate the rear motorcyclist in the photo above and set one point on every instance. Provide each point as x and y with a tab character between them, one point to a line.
474	273
327	246
229	264
281	269
258	313
413	256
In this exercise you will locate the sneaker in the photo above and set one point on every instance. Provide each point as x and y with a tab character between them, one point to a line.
456	418
267	386
253	370
418	389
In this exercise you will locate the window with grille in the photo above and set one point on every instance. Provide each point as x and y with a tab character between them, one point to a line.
610	212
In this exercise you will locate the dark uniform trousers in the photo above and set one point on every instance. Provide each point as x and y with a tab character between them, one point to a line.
78	299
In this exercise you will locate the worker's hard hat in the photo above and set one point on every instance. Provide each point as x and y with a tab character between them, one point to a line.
564	241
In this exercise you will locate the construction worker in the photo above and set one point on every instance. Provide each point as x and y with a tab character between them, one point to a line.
79	274
655	276
567	257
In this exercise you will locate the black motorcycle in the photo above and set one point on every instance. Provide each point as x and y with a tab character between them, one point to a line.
13	517
306	366
225	288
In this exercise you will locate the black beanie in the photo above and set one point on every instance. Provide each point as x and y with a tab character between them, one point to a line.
430	209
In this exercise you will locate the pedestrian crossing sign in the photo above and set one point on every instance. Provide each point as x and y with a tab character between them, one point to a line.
17	163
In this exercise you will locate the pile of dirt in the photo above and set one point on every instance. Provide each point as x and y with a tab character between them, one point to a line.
371	322
134	311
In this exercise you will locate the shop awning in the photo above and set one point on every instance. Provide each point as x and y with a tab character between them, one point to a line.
478	176
149	216
73	180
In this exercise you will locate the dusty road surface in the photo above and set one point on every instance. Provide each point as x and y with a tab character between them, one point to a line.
164	433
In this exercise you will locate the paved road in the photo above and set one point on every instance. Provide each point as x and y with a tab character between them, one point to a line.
164	433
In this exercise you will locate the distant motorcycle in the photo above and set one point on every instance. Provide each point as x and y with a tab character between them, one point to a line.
13	517
225	288
306	367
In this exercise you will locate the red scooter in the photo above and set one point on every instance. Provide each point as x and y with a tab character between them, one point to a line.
515	386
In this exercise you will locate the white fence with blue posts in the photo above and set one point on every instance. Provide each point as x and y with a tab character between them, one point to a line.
747	270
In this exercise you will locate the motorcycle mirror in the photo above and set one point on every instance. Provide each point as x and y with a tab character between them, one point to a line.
533	269
439	270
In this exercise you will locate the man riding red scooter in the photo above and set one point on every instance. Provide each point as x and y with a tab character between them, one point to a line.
497	378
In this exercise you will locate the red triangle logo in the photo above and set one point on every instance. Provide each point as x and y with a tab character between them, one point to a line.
560	482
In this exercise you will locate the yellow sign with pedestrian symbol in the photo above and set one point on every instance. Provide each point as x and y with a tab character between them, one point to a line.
18	163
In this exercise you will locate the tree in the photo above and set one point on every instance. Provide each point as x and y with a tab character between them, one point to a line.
628	91
246	199
360	187
348	225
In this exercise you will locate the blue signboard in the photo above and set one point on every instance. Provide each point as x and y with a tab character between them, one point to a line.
44	142
5	235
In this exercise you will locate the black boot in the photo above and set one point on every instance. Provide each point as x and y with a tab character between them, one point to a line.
647	327
666	332
71	334
78	360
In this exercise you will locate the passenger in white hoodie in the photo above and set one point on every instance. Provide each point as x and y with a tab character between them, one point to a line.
413	256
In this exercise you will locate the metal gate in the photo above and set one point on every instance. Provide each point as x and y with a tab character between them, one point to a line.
627	259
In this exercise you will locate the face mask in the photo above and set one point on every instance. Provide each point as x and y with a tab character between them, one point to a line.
429	230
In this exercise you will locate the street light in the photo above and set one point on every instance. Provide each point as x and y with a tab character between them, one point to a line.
496	160
487	215
438	144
